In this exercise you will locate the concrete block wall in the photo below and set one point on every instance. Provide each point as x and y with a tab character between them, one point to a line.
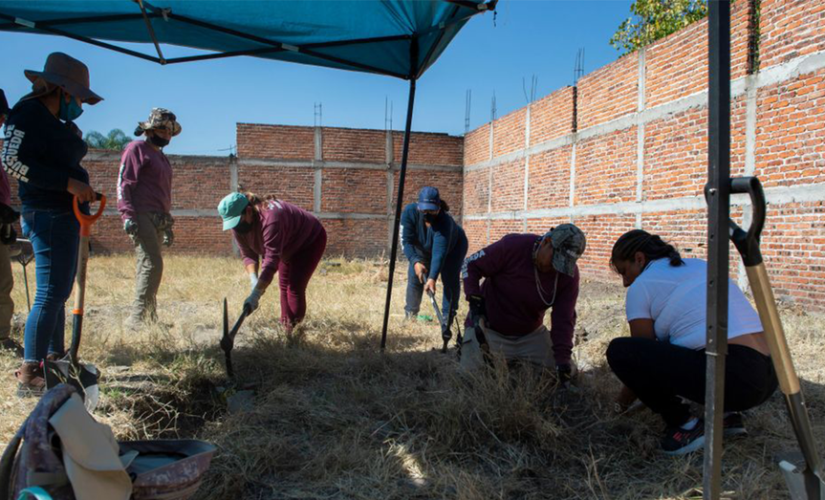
627	148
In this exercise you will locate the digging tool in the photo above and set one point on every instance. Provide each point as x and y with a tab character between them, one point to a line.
445	328
228	338
22	251
803	474
83	377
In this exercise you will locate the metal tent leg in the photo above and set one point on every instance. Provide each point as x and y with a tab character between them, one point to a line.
399	205
718	195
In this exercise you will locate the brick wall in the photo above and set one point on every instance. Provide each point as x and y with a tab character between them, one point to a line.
635	151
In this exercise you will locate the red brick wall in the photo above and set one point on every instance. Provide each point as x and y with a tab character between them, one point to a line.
275	141
609	92
550	117
786	149
790	131
789	29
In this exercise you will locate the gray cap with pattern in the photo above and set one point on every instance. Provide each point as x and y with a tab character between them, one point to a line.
569	244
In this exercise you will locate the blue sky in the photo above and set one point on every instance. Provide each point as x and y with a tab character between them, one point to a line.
529	37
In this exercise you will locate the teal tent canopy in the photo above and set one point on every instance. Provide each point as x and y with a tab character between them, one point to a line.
390	37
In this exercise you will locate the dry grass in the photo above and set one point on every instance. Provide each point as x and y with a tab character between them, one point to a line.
334	418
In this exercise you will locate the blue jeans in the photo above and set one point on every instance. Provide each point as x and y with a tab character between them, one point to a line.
54	235
450	280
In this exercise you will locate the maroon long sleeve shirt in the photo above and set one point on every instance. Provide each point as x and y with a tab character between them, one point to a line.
511	291
145	181
279	231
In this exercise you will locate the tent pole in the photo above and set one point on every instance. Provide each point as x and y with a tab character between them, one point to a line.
399	205
718	195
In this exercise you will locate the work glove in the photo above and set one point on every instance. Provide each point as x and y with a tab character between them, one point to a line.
251	302
253	280
168	237
564	373
7	234
131	229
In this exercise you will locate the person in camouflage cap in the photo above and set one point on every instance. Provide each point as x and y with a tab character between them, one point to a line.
523	276
144	199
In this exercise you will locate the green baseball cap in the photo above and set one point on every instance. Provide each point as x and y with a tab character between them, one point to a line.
231	209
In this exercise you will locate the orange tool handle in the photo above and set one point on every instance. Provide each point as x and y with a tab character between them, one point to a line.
86	221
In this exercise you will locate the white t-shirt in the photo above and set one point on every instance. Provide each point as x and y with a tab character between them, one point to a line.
675	299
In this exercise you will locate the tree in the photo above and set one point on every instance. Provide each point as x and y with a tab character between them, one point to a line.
655	19
115	140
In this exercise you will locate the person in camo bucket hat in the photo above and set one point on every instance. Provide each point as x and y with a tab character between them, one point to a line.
159	119
144	200
523	276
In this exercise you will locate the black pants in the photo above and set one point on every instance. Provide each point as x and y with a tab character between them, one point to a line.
659	373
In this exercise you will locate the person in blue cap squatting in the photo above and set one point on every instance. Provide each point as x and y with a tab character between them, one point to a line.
435	245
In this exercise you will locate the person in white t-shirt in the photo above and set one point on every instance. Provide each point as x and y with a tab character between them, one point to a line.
662	363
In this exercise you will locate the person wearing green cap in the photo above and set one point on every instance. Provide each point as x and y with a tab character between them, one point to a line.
275	236
524	276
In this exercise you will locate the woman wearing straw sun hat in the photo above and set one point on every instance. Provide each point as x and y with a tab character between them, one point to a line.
43	149
275	237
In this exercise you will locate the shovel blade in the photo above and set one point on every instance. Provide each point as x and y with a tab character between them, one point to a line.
84	378
803	483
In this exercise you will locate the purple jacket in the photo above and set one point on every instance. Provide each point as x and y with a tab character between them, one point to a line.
279	232
144	183
510	291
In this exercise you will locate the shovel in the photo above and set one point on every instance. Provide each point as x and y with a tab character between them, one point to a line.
803	473
82	377
228	339
445	332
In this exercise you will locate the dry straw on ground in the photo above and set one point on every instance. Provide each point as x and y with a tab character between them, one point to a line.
334	418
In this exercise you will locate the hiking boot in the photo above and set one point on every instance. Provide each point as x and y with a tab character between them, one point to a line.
31	380
733	425
678	441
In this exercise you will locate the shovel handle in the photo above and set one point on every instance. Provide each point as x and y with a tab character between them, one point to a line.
747	243
86	221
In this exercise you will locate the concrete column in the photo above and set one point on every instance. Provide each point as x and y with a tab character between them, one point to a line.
526	164
640	138
573	176
490	180
751	90
389	158
319	171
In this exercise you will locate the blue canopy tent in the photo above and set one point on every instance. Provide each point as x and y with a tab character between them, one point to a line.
400	38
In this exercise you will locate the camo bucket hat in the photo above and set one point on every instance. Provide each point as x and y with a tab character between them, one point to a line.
160	118
569	244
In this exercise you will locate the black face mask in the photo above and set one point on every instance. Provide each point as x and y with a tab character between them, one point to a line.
158	141
430	218
243	227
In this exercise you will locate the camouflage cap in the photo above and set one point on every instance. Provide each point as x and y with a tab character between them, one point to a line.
569	244
160	118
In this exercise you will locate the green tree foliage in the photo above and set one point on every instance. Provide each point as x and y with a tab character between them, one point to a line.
115	140
655	19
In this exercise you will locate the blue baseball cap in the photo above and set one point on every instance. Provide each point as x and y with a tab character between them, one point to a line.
429	199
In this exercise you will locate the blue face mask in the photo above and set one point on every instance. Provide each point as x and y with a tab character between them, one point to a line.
70	111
